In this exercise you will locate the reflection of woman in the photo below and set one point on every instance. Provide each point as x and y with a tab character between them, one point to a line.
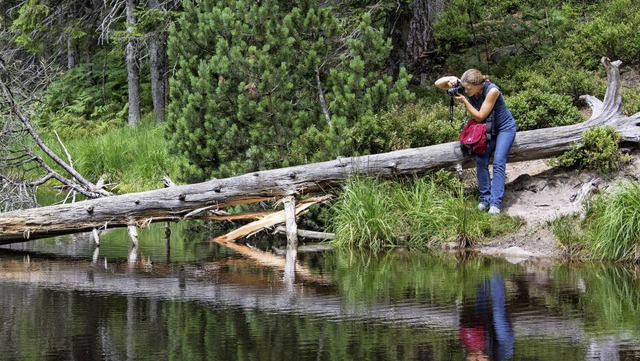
485	331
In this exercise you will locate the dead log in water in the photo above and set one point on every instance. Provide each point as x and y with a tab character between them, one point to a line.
174	203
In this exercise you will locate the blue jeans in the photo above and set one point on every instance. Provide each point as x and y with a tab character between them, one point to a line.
491	191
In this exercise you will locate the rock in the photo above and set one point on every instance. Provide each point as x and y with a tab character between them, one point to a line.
516	254
516	251
450	245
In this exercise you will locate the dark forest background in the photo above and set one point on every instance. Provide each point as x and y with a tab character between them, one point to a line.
202	89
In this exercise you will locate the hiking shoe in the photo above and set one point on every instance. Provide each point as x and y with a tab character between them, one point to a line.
494	210
482	206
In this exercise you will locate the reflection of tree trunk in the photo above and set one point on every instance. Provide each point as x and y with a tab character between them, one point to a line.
96	254
158	59
603	348
133	256
133	69
270	260
130	335
292	237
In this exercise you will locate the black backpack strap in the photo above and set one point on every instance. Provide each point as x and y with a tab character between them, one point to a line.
490	121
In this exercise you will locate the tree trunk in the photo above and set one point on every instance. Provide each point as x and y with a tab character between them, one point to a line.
411	33
420	37
158	60
397	27
175	202
71	54
133	68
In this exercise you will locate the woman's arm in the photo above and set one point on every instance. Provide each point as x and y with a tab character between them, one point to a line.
485	108
447	82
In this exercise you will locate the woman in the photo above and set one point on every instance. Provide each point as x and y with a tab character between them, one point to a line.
481	97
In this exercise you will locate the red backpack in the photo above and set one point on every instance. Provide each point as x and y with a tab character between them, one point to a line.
474	137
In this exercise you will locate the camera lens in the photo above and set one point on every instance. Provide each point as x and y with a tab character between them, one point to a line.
458	89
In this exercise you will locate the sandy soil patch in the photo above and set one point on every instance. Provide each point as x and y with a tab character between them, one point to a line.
539	193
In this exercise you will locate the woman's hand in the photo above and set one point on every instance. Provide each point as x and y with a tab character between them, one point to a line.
459	97
446	82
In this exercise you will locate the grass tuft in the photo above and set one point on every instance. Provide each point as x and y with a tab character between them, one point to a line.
569	231
616	224
420	213
364	217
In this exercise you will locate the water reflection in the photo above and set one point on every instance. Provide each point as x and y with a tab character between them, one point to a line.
290	263
95	255
338	306
289	276
485	329
133	255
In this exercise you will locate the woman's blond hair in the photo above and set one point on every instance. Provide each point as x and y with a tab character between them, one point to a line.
473	77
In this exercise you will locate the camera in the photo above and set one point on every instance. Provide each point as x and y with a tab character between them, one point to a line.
455	90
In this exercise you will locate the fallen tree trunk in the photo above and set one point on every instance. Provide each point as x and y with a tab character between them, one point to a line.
174	203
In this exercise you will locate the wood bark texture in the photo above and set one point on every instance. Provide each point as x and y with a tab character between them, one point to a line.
133	69
158	64
174	203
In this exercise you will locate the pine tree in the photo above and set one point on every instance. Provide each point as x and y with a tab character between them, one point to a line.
57	31
261	85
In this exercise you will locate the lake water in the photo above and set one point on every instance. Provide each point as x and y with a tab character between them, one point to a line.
65	299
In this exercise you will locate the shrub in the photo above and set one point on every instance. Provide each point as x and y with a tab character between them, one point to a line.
561	75
534	109
245	92
611	31
410	126
631	101
599	151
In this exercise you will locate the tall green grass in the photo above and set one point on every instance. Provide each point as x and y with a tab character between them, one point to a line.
441	212
419	213
571	235
365	217
134	159
610	229
616	224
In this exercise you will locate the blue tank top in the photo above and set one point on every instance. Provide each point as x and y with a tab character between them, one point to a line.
502	115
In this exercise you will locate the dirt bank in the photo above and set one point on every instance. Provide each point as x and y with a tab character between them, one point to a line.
539	193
